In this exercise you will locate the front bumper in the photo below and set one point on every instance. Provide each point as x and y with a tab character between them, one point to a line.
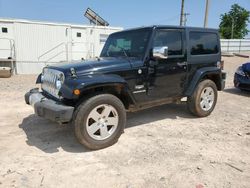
48	108
242	82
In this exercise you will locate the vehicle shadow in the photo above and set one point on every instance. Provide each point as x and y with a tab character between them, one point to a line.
50	137
236	91
170	111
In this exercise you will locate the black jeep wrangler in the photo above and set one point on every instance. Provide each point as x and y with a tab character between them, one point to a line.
137	69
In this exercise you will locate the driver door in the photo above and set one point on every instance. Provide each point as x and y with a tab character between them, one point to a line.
167	77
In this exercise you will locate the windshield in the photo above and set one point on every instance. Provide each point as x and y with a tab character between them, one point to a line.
126	44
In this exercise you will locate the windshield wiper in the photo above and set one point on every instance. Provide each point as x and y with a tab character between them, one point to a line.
125	53
107	53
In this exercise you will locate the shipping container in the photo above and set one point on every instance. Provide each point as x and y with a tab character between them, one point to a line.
27	46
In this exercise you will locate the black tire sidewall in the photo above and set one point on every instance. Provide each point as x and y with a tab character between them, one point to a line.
81	118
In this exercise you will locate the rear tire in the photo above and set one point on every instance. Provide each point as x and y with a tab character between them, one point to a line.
204	99
99	121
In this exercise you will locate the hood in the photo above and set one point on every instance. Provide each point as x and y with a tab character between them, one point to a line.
105	65
246	67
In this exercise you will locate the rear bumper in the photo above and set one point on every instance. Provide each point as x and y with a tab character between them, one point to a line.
223	80
48	108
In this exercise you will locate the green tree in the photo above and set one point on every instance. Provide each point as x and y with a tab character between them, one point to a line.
234	23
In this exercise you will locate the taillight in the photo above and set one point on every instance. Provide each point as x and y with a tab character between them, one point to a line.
220	64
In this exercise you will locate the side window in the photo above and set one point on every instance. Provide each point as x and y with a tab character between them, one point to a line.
78	34
203	43
171	39
4	30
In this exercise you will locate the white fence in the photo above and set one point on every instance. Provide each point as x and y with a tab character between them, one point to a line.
235	45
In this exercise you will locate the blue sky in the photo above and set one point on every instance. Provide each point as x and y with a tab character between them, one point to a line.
126	13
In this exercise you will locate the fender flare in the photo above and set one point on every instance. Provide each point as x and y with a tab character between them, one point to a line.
93	81
199	74
38	79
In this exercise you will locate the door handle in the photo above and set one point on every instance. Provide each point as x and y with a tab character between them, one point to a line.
180	64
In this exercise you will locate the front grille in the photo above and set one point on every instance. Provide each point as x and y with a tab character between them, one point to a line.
49	78
247	74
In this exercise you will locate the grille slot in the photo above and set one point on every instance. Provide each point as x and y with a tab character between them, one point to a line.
50	76
248	74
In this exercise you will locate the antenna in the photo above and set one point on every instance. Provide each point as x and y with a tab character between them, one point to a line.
94	18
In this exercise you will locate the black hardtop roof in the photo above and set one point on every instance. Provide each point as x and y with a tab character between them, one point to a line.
172	27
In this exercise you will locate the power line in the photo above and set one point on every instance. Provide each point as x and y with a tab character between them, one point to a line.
165	20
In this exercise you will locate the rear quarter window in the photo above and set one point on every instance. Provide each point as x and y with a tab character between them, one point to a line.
202	43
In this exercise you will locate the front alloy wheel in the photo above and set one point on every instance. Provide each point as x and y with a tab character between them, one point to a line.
102	122
99	121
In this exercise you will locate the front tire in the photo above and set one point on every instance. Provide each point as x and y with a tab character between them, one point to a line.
204	99
99	121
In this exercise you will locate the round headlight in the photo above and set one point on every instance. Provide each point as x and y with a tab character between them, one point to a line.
239	71
61	78
58	84
42	78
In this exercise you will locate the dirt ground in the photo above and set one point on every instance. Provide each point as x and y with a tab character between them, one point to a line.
161	147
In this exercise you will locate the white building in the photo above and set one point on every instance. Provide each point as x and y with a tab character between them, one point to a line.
31	45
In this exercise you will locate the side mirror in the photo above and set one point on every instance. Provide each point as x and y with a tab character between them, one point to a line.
160	52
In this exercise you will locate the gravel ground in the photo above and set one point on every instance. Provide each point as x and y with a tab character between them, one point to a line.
161	147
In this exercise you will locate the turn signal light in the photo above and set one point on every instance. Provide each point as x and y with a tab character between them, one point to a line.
77	92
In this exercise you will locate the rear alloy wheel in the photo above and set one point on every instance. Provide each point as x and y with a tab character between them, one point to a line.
204	99
207	98
99	121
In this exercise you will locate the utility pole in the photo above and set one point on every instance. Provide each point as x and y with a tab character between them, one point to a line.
232	28
206	13
182	13
185	18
